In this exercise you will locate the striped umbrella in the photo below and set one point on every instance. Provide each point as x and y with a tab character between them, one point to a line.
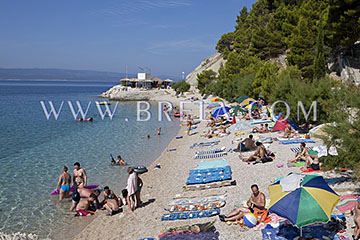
217	99
312	201
247	102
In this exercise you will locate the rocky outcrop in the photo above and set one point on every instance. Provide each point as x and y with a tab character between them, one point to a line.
211	63
122	93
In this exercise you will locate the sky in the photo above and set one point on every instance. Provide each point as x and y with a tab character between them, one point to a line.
167	37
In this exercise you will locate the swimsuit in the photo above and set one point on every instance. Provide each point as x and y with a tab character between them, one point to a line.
65	188
78	175
76	196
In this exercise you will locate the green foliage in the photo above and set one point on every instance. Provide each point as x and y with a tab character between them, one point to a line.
345	132
205	79
181	86
319	68
343	22
265	79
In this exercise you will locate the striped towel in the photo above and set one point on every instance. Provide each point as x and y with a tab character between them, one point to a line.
216	155
298	149
347	203
209	152
204	144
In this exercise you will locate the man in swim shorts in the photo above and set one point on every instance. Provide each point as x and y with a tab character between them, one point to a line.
83	207
257	201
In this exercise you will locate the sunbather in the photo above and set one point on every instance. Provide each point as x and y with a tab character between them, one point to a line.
83	208
289	132
256	129
312	162
257	201
259	153
110	201
303	155
356	211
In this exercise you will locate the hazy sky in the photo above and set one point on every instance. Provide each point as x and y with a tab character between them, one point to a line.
167	36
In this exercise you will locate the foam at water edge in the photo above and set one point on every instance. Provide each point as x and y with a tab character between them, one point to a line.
19	236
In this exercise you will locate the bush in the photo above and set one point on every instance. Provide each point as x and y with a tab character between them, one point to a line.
181	86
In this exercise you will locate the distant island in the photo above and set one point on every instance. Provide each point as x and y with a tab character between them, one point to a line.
62	74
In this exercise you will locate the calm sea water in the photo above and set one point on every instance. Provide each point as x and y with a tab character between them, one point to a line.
34	149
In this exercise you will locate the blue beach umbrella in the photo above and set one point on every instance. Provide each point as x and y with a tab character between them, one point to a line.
220	111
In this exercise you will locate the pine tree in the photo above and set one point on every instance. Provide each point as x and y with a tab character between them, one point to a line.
319	66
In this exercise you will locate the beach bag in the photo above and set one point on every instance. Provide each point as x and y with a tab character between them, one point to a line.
266	159
262	215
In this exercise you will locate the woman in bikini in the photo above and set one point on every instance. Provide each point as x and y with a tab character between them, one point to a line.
79	175
110	201
64	183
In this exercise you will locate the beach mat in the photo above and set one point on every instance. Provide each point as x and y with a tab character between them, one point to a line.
208	175
200	200
225	183
212	164
310	170
196	207
200	194
216	155
296	141
298	149
189	229
189	215
260	121
204	144
209	152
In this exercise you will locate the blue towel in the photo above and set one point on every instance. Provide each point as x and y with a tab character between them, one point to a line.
212	164
189	215
295	141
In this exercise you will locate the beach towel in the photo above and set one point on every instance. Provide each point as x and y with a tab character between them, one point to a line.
304	170
210	151
322	150
260	121
189	215
347	203
196	207
298	149
200	200
132	184
216	155
291	182
200	194
333	151
296	141
225	183
274	221
204	144
212	164
198	176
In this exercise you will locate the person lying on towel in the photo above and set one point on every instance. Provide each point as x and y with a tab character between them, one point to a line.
255	204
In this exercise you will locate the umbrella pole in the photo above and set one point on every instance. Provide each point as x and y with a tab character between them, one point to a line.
301	232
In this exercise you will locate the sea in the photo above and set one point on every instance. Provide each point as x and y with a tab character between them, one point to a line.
34	147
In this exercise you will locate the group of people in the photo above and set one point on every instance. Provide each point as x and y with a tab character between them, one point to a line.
86	201
261	154
311	161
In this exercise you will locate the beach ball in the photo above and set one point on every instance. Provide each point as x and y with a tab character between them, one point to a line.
250	220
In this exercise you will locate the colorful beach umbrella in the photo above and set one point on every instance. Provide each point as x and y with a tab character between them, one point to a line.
217	99
310	202
220	111
247	102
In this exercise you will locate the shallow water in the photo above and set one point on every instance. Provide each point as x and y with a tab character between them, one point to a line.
34	149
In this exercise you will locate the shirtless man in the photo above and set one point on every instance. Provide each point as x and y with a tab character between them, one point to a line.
119	161
356	210
259	153
247	144
83	208
256	129
257	200
79	175
303	154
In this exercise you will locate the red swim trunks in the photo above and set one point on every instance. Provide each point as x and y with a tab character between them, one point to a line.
82	212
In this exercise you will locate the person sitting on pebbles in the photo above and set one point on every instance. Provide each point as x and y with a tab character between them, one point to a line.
110	201
256	202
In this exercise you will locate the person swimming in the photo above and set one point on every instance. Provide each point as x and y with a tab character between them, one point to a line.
79	175
119	161
64	184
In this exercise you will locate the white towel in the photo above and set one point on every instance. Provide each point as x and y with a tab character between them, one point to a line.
322	150
291	182
333	151
132	184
